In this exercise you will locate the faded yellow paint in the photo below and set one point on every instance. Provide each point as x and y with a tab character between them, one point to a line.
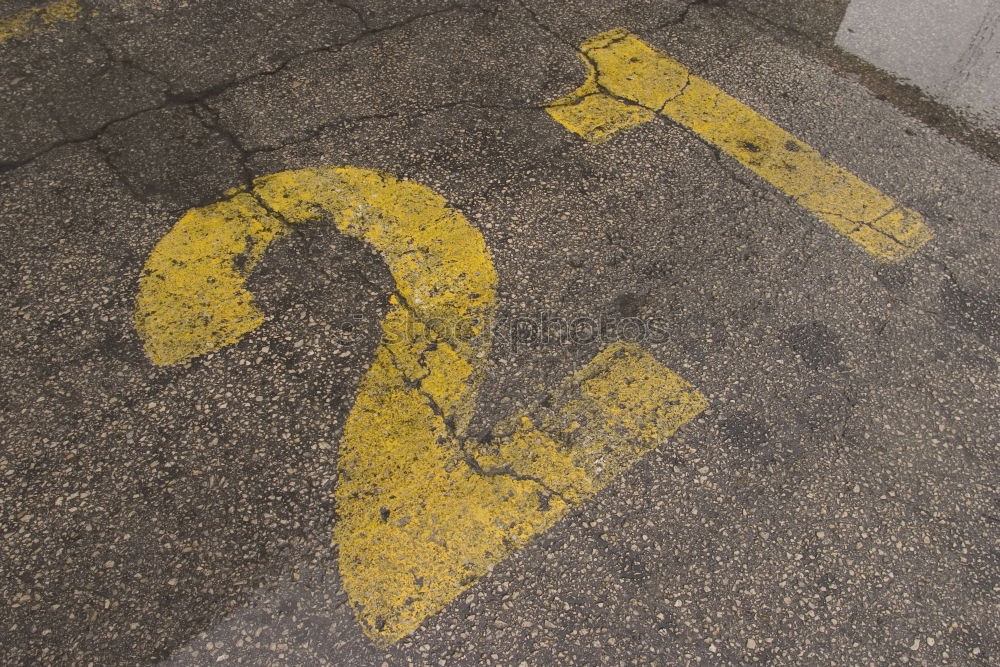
37	19
424	511
593	114
192	295
629	73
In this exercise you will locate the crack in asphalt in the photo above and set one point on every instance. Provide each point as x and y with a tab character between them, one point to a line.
172	97
507	471
318	130
715	151
463	441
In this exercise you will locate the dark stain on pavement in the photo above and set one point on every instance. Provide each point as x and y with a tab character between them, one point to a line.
745	432
977	312
816	343
630	304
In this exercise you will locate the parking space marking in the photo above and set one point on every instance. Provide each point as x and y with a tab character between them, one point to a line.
423	509
37	19
628	80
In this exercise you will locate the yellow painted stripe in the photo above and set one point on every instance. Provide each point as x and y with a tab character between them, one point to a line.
424	510
37	19
626	72
595	115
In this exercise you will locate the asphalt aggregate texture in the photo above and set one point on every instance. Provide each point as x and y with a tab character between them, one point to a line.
837	503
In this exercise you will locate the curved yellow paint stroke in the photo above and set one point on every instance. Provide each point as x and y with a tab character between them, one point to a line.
424	510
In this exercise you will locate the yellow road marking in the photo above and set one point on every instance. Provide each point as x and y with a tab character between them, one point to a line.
37	19
424	510
629	80
595	115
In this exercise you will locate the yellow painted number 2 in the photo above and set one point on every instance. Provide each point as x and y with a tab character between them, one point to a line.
425	510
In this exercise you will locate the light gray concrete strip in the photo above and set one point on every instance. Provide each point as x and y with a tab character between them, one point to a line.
949	48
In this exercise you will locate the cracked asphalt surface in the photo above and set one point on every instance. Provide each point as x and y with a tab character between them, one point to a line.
836	503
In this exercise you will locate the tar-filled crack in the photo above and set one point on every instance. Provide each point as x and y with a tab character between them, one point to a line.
442	333
11	165
415	385
124	61
507	470
210	119
107	157
171	97
200	99
461	440
687	82
716	152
